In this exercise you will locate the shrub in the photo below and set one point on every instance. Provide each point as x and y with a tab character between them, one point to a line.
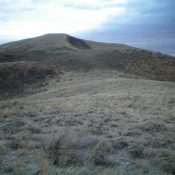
136	151
77	148
119	144
14	76
167	161
153	127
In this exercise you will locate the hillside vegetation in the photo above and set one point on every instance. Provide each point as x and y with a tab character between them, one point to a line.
74	107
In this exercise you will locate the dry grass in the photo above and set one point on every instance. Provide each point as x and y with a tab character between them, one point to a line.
92	125
75	107
15	76
77	148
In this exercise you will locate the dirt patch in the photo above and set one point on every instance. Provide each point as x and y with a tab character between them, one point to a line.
77	43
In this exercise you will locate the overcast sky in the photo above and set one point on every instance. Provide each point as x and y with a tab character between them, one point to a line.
147	24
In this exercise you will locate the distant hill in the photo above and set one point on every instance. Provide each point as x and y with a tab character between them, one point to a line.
75	54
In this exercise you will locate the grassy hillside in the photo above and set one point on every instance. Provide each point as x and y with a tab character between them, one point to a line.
76	54
15	77
75	107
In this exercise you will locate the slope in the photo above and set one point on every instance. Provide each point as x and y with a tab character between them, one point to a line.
80	55
71	106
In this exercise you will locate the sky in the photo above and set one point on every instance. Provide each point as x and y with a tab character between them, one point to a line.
148	24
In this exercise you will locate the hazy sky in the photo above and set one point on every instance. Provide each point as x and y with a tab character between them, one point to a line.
142	23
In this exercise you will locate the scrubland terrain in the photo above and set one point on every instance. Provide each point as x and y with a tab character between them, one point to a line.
75	107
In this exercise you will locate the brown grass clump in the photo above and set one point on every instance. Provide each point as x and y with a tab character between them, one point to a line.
13	127
152	127
166	161
119	144
136	151
76	148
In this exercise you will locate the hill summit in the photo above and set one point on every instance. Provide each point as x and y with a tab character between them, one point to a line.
75	54
46	42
